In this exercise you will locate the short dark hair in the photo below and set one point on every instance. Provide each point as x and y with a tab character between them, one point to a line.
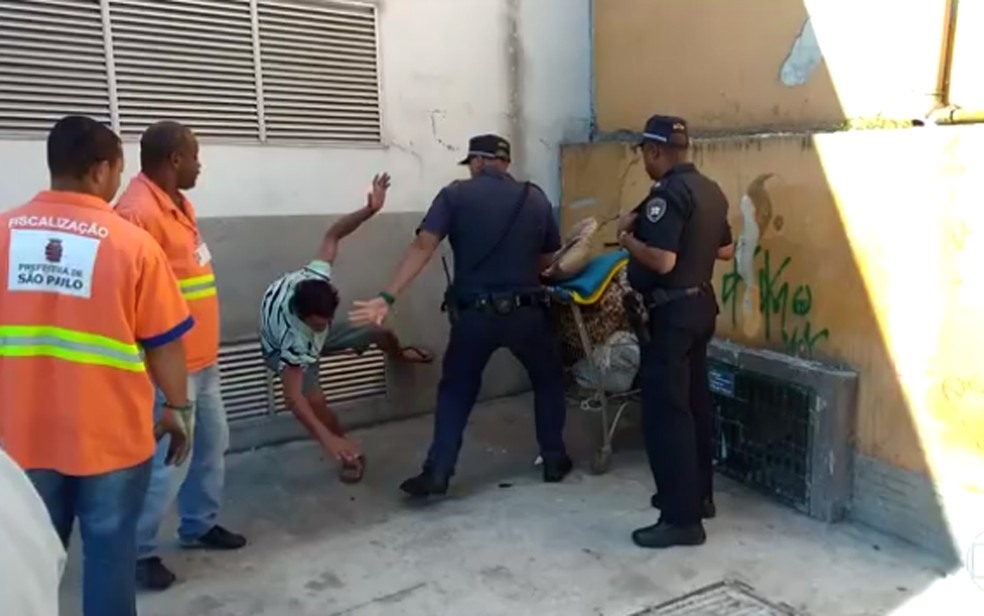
77	143
315	298
159	141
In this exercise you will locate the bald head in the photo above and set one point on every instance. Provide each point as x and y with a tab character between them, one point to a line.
169	155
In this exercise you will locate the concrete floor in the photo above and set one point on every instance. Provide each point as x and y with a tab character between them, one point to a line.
506	544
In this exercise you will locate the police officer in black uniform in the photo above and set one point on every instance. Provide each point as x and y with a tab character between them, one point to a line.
674	237
503	235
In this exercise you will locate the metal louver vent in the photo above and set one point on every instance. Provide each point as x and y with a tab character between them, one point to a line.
345	377
257	70
319	70
52	63
186	60
250	390
246	382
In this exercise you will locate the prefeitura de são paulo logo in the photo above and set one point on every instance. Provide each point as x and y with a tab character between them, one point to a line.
53	251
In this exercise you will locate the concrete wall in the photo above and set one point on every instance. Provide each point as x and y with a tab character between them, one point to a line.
450	69
854	247
754	64
839	260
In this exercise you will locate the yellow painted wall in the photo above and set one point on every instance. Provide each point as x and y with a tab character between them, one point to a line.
870	249
719	62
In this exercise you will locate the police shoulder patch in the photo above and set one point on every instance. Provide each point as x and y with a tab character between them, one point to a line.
656	209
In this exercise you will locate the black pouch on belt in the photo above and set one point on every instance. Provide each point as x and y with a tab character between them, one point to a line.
450	305
503	303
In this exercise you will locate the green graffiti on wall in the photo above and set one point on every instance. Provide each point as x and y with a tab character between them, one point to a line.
785	309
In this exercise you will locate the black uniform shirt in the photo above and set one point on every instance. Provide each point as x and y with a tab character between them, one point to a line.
474	213
685	213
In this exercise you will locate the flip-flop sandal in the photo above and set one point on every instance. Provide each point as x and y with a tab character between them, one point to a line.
425	356
352	472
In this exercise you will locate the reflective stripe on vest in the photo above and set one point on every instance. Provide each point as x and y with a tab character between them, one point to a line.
198	287
68	345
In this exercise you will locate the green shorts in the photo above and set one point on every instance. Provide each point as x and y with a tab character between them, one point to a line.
342	337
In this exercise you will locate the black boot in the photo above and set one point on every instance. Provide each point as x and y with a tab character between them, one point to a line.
707	508
152	574
217	538
665	535
425	484
555	469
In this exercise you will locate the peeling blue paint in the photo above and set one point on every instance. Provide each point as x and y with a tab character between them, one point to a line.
804	57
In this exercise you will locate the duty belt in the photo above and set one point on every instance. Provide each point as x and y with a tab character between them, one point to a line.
505	302
661	297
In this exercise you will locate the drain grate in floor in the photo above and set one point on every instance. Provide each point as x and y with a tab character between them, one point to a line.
727	598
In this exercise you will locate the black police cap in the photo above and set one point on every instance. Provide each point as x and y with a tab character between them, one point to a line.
487	146
666	130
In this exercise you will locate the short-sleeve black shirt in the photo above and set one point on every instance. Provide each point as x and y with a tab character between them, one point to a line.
684	213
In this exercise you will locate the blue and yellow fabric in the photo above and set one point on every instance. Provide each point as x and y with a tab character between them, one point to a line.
589	286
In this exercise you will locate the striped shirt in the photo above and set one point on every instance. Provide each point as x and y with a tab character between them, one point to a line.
284	337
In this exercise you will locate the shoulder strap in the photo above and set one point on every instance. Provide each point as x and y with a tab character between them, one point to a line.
512	219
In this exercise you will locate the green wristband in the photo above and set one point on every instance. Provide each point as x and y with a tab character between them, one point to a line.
389	299
181	409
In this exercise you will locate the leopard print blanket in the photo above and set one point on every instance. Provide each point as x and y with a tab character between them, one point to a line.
601	320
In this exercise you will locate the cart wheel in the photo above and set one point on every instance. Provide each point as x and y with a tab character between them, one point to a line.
601	462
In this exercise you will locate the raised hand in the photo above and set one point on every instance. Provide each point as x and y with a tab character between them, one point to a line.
370	312
377	196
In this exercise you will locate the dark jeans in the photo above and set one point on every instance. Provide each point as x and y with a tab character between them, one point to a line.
529	334
107	507
677	406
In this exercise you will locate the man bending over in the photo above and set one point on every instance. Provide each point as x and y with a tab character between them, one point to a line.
298	327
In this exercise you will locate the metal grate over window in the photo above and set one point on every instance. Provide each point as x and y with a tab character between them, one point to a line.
52	63
250	390
283	70
320	78
185	60
762	432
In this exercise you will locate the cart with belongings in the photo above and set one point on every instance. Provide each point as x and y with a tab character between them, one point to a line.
600	353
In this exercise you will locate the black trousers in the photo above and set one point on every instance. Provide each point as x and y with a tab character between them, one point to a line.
529	334
676	405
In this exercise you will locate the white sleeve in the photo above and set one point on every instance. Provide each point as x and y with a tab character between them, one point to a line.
32	553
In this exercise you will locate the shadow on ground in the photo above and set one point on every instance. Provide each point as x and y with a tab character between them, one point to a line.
504	543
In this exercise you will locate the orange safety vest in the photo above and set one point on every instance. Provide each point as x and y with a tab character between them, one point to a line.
81	290
144	204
